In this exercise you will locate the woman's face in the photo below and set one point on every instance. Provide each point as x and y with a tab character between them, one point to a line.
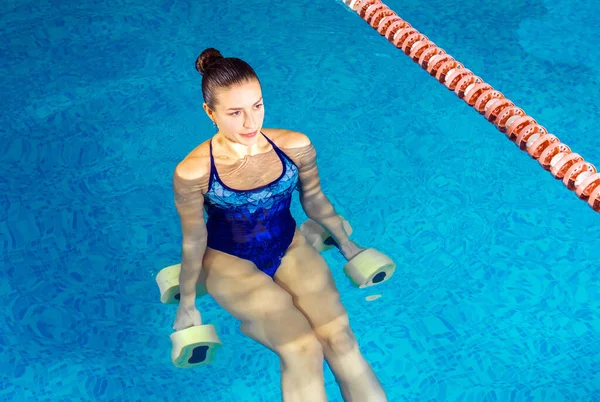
239	112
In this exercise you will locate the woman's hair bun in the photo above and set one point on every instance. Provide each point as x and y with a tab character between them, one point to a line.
206	58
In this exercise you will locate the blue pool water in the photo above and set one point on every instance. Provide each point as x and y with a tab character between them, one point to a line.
497	292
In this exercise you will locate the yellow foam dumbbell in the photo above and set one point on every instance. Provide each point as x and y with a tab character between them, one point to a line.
368	268
194	346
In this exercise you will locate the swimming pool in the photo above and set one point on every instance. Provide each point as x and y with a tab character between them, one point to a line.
496	294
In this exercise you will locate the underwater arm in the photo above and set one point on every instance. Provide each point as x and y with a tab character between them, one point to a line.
189	200
314	202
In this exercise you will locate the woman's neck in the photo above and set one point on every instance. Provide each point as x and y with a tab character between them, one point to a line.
241	150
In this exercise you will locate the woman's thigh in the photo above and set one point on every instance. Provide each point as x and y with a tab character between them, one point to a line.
267	311
305	275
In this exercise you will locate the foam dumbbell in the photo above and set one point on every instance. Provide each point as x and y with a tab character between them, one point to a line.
369	267
194	346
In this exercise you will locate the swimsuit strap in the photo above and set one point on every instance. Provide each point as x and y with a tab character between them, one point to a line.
285	159
213	167
277	150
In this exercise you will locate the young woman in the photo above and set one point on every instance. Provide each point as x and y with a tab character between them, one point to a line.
250	254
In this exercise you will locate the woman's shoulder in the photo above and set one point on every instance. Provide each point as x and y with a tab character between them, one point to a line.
196	165
287	138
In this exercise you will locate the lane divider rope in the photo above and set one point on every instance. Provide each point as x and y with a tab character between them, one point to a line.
577	175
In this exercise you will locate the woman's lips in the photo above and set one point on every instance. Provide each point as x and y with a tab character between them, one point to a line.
250	135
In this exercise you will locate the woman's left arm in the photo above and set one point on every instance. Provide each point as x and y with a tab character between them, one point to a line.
314	202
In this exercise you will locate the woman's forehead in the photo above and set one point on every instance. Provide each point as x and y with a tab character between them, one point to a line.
241	95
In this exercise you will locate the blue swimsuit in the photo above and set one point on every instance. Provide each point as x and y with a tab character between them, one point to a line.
256	224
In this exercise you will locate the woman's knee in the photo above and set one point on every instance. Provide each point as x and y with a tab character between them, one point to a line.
305	350
295	336
278	323
339	340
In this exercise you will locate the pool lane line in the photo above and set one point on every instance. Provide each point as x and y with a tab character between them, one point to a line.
577	175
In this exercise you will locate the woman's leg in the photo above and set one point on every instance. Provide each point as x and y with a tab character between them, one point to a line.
269	316
306	276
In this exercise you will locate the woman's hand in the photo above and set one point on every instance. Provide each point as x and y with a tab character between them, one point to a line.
350	250
187	316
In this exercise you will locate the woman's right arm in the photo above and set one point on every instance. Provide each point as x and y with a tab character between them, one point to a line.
190	180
